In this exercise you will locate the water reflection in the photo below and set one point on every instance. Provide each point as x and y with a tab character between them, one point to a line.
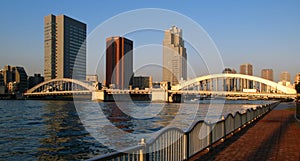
120	116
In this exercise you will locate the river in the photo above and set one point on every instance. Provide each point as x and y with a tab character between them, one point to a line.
67	130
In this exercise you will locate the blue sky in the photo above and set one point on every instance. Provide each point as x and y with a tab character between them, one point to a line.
264	33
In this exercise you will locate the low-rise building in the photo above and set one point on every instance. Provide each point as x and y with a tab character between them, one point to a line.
142	82
14	78
34	80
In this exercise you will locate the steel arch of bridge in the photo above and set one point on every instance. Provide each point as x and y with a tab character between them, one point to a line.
37	88
279	87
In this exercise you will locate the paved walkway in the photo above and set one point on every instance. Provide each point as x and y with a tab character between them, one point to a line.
274	137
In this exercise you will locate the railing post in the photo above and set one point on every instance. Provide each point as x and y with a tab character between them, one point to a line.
210	134
224	127
142	152
186	146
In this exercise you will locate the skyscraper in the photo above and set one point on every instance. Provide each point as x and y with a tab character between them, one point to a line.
119	62
246	69
267	74
174	56
64	48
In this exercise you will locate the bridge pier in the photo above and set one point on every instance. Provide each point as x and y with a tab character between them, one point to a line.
175	98
99	95
159	95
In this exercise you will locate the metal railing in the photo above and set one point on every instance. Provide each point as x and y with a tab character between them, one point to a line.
173	144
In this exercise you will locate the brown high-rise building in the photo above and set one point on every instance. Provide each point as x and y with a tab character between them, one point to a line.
246	69
64	48
285	76
267	74
119	62
174	56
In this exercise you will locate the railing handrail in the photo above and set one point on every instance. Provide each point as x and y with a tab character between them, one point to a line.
160	133
257	112
194	124
117	153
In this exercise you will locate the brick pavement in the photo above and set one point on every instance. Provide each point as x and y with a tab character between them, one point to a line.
274	137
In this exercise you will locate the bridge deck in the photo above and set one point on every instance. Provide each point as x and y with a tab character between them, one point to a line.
57	93
274	137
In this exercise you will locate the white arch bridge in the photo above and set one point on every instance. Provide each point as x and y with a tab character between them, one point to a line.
228	85
235	85
60	86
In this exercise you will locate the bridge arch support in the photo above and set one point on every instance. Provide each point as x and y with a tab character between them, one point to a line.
61	84
279	88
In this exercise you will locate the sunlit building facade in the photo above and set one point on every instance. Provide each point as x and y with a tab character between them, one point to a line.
285	79
119	62
246	69
266	74
64	48
297	78
174	56
14	79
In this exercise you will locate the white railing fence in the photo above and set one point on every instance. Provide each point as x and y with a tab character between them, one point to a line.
173	144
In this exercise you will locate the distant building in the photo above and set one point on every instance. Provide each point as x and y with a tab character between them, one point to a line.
142	82
12	87
297	78
229	71
92	78
229	83
266	74
2	90
1	78
119	62
34	80
2	85
14	78
246	69
174	56
64	48
93	81
285	76
285	79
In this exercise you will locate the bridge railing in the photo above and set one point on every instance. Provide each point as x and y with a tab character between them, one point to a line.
175	144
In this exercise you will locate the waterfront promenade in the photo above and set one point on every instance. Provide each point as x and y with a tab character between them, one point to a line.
274	137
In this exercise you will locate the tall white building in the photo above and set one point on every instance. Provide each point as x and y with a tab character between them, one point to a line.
174	56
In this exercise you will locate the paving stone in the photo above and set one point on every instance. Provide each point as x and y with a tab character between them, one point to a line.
274	137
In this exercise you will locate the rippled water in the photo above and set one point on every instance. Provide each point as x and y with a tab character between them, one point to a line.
52	130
